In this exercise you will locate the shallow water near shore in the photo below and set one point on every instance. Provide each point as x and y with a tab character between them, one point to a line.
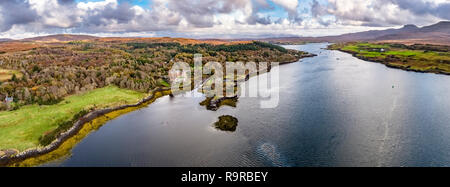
334	110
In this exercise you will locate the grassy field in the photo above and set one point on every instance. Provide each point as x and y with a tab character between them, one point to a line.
21	129
7	74
399	57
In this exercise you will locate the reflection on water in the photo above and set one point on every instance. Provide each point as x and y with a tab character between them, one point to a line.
335	110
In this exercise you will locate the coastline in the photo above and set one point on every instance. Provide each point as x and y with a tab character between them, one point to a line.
95	118
62	146
215	104
405	68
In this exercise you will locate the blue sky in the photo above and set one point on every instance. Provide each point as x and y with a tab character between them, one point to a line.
213	18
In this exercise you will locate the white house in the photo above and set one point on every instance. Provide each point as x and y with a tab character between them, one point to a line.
9	99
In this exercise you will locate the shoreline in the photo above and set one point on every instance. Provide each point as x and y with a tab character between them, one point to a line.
12	160
405	68
215	104
33	154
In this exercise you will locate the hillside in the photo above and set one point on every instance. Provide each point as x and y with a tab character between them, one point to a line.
69	37
60	38
4	39
8	45
438	33
182	41
434	34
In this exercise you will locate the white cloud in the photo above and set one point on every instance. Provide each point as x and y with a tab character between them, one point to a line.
213	18
380	12
290	5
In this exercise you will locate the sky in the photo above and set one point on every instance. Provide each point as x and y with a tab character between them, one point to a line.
224	19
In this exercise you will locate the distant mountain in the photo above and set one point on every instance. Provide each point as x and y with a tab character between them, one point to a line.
69	37
60	38
374	34
434	34
443	26
5	39
438	33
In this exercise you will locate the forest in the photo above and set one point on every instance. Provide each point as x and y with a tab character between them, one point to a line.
47	73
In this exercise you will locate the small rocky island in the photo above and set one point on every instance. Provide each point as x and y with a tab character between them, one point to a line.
226	123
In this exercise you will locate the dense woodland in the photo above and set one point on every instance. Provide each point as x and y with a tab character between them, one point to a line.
50	72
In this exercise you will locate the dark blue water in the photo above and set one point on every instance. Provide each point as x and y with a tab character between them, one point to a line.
334	110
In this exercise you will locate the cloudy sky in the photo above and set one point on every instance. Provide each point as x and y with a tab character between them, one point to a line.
213	18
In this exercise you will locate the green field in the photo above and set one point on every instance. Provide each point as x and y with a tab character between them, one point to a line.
20	129
417	58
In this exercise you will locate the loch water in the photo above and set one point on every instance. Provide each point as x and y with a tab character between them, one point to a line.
334	110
